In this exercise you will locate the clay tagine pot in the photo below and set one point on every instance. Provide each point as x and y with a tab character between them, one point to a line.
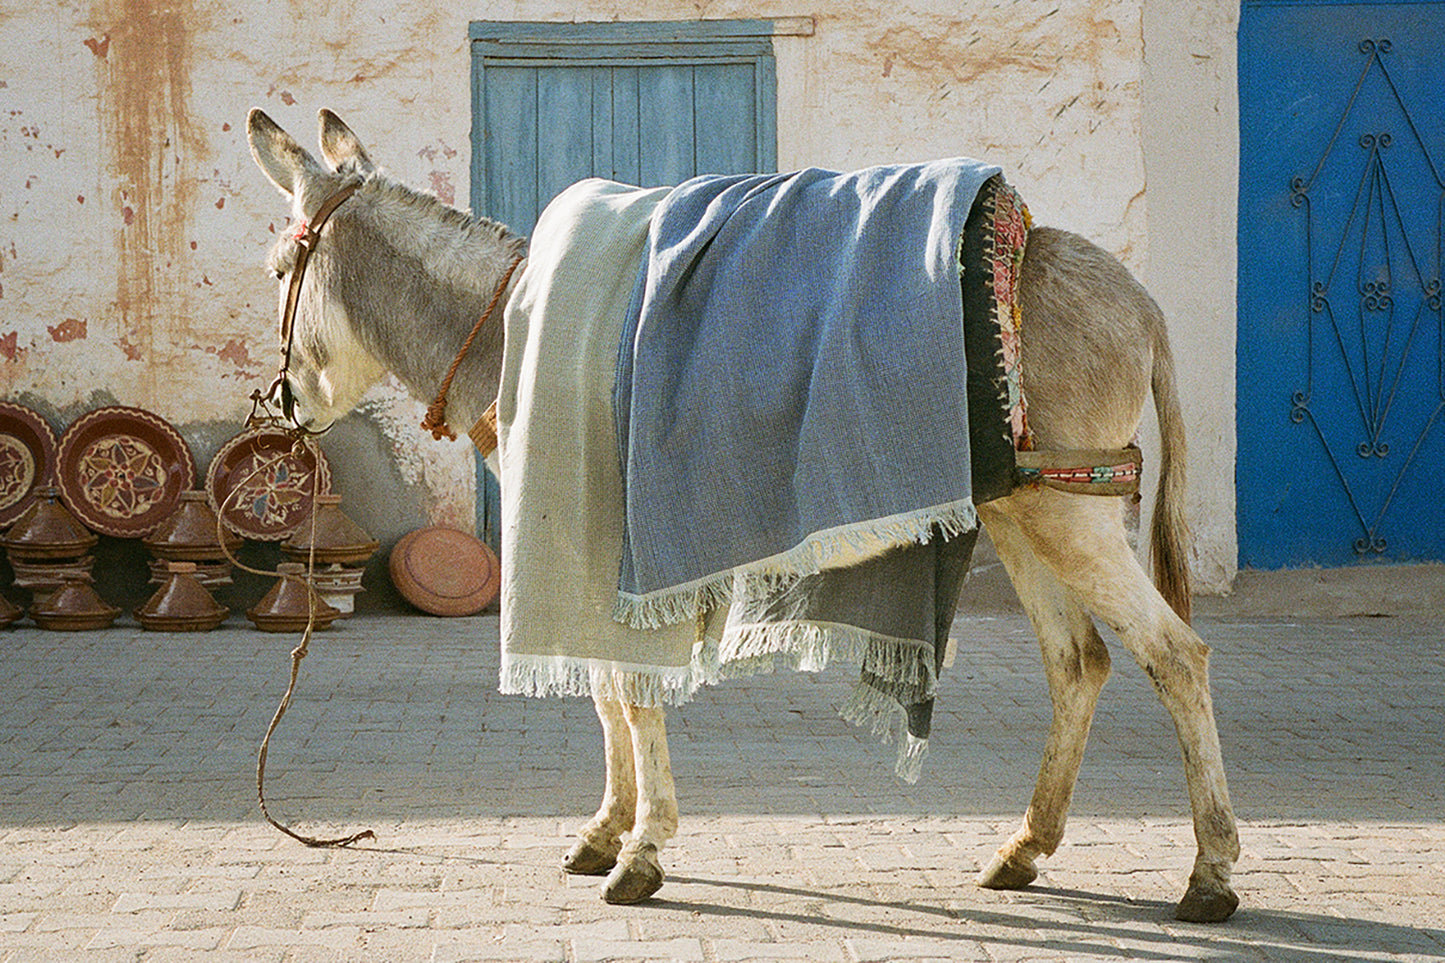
339	586
48	530
74	607
182	604
339	540
9	612
189	535
44	576
212	575
291	603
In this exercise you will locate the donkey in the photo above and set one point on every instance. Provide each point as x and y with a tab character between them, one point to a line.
400	280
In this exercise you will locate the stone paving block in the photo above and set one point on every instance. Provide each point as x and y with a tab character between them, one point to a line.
744	951
53	954
218	901
481	947
194	940
170	954
247	938
683	950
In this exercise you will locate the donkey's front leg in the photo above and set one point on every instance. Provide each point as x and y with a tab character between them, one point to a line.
638	873
596	849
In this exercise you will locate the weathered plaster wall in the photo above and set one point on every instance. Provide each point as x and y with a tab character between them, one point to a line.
135	225
1191	151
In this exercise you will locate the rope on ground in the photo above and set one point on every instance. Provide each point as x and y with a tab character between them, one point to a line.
297	654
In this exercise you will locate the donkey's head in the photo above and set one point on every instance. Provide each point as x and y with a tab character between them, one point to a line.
326	366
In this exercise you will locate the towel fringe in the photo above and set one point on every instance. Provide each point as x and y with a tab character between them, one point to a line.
753	650
834	548
810	646
889	722
648	686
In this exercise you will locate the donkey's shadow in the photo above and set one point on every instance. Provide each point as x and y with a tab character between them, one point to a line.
1102	925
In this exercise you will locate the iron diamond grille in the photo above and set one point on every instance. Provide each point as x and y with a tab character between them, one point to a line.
1373	308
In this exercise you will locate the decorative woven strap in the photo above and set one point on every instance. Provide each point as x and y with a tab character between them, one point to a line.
484	432
1112	471
436	413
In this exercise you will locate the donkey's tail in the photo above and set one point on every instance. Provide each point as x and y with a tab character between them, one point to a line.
1169	535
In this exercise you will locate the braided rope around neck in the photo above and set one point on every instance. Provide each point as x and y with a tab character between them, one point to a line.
436	413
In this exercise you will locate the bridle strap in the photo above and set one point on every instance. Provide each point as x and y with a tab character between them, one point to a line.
306	240
436	413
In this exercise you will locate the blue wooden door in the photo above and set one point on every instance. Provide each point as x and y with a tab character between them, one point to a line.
643	103
1341	375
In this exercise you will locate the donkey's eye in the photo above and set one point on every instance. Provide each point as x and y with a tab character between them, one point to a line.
280	275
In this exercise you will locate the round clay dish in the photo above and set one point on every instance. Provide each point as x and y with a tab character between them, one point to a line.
27	459
122	470
445	572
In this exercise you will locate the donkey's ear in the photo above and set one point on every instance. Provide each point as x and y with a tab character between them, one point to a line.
284	162
341	148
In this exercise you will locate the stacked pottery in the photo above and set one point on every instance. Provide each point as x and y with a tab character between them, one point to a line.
73	607
47	547
291	604
9	611
192	534
181	604
338	546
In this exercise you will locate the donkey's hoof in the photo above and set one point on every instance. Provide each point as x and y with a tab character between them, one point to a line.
634	878
1008	873
1206	904
585	858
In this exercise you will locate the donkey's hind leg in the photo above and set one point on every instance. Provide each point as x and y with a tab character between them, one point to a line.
597	846
1081	538
638	873
1077	665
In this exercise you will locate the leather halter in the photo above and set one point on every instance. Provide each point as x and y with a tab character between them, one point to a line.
307	237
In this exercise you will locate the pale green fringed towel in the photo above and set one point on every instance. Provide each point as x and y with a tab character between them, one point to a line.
560	481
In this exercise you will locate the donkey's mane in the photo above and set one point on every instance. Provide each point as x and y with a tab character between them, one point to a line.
432	207
452	245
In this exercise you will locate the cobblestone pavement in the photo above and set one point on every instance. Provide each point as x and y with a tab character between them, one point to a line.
128	827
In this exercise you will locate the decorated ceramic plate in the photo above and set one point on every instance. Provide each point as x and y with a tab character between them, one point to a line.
262	482
27	459
122	470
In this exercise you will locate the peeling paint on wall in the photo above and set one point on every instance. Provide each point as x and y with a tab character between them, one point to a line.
71	329
143	63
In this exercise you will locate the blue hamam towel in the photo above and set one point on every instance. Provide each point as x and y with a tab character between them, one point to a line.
801	432
792	386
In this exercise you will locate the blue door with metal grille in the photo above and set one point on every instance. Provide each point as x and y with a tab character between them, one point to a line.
642	103
1341	375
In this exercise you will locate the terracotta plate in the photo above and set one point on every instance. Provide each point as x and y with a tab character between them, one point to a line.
122	470
261	484
445	572
27	459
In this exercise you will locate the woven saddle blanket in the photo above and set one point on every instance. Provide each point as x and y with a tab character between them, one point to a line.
877	580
